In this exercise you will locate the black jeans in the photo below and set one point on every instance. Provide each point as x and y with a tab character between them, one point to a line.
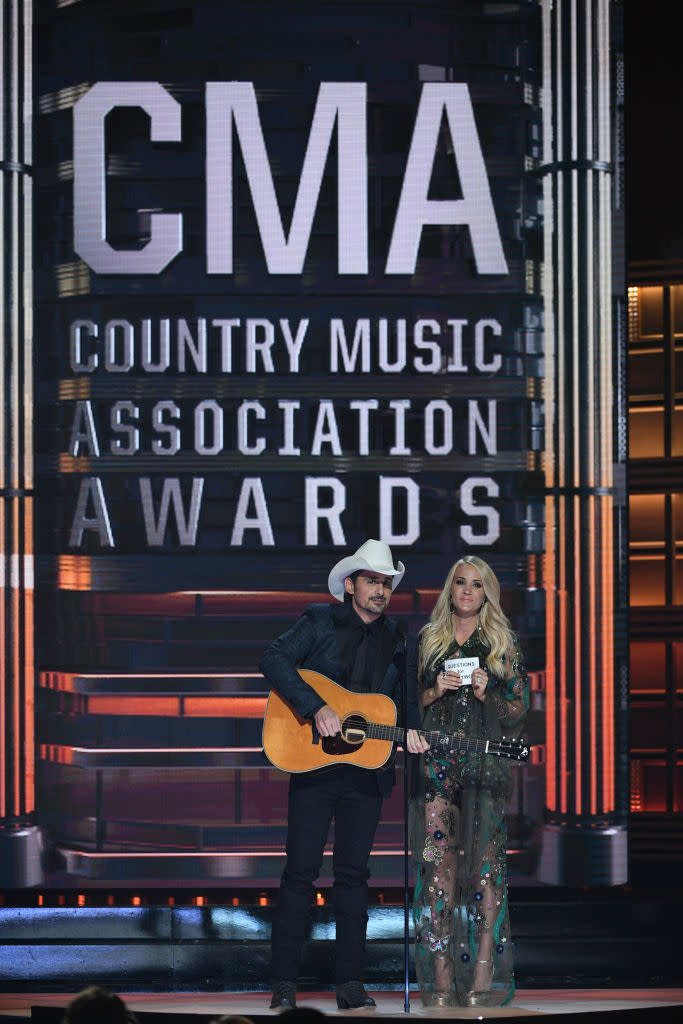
351	796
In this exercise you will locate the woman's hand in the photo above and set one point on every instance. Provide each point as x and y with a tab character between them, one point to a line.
479	683
446	681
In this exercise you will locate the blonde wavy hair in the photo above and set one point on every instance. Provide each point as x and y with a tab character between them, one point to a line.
438	635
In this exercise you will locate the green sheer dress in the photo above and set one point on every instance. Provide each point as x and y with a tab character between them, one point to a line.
458	839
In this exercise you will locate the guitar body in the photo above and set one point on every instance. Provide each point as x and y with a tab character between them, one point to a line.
288	740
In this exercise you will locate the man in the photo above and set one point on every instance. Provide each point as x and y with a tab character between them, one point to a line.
360	648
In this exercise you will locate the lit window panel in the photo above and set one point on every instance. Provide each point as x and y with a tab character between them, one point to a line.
678	667
646	520
676	297
677	526
648	579
677	431
651	312
647	667
648	784
646	432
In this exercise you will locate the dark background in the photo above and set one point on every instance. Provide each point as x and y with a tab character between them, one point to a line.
654	142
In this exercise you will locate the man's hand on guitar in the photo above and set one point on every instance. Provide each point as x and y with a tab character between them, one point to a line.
327	721
416	743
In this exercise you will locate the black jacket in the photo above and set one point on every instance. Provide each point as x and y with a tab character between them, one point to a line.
312	643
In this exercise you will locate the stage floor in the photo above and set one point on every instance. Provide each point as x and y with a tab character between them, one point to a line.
665	1003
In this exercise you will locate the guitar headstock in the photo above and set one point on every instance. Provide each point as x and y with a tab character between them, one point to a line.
517	750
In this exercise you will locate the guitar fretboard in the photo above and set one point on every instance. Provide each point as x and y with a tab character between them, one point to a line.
445	741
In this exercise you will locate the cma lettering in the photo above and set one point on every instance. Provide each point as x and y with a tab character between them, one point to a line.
232	111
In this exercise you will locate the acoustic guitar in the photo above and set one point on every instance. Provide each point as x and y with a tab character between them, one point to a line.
368	732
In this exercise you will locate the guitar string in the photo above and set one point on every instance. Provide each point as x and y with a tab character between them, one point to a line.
504	748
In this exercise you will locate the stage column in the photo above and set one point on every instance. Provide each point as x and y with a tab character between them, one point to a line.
584	839
19	838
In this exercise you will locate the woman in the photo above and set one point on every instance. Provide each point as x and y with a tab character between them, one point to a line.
463	950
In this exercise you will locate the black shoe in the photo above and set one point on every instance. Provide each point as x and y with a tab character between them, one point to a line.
284	996
351	995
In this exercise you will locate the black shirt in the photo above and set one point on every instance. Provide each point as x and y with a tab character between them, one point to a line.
358	647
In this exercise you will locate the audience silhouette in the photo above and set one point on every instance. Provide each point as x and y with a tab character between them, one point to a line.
95	1005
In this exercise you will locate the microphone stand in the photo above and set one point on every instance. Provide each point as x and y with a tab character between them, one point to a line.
406	875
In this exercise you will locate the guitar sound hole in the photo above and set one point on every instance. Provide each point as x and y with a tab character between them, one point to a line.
352	736
354	729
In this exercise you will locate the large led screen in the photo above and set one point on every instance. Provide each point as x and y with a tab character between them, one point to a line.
289	295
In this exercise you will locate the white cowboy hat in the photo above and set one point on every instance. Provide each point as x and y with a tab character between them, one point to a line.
374	555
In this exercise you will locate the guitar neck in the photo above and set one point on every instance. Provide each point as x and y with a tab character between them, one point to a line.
448	741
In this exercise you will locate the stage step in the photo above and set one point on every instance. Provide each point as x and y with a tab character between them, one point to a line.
593	939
